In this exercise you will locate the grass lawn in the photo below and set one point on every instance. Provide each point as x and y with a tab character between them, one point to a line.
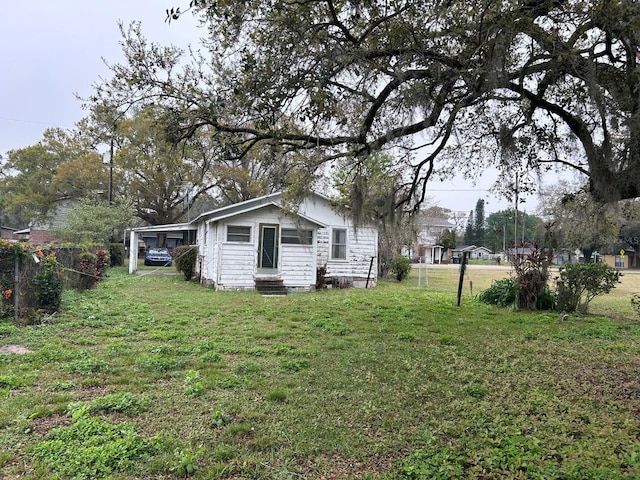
153	377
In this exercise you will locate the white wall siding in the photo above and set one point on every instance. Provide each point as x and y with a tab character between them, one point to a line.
201	241
362	245
297	265
238	265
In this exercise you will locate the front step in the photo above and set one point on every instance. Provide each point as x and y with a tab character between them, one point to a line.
271	286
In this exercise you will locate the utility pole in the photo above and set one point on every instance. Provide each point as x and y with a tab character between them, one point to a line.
111	169
515	220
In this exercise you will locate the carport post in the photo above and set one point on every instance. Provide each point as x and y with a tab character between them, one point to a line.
133	251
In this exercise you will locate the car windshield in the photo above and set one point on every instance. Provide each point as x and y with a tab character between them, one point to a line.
158	251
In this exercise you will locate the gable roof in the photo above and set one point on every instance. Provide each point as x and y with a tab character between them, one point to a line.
470	248
273	199
228	211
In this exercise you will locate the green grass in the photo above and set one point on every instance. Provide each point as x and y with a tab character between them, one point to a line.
153	377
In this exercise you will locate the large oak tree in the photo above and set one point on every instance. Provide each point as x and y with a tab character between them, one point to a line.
61	167
524	85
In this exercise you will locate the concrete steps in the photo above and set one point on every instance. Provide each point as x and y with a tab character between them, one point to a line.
270	286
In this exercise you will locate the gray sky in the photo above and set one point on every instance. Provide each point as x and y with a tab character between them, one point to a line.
54	50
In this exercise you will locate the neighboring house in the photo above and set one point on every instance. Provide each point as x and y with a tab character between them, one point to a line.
618	255
8	233
39	232
261	239
619	261
430	228
473	252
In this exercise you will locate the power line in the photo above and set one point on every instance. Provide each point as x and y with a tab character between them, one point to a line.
34	122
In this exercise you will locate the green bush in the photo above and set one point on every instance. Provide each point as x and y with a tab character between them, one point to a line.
503	293
400	267
506	293
117	254
47	285
87	277
184	258
635	303
579	283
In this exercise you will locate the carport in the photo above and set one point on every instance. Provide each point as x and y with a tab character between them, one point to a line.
187	230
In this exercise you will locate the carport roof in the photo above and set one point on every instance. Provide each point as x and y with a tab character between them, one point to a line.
170	227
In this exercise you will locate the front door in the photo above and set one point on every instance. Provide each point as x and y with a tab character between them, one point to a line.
268	247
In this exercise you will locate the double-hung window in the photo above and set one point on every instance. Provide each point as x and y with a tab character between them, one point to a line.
339	244
294	236
238	233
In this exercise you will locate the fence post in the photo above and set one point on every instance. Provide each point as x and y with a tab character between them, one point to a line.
462	269
16	288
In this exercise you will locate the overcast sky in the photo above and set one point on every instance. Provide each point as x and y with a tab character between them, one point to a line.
54	50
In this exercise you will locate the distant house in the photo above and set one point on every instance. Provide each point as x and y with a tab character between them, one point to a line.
430	228
8	233
263	240
40	232
473	252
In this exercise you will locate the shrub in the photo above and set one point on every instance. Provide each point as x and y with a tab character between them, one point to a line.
400	267
92	268
117	254
532	271
184	258
579	283
102	263
87	270
503	293
48	285
635	303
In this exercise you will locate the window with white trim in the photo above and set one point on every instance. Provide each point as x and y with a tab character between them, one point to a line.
339	244
293	236
238	233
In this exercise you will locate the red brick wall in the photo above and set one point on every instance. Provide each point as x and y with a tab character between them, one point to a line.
39	237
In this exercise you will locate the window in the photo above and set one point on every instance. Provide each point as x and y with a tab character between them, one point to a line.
237	233
296	237
339	244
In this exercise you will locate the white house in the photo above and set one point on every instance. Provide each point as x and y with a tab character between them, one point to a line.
430	227
266	240
476	253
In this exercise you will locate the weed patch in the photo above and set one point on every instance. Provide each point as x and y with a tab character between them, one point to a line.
92	448
121	402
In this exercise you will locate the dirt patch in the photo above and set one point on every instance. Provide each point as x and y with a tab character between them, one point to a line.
604	383
14	350
44	425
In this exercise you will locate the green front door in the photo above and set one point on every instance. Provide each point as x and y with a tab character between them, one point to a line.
268	247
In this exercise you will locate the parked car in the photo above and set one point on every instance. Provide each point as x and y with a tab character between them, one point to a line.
158	257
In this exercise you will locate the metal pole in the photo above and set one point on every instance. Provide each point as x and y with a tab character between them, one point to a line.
462	268
426	275
369	275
